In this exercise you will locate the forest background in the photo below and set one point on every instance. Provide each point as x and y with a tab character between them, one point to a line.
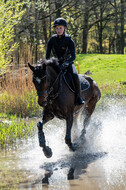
96	26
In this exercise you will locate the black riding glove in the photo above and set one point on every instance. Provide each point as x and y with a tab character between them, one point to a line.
64	65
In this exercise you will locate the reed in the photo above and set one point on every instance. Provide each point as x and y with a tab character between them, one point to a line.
18	95
16	128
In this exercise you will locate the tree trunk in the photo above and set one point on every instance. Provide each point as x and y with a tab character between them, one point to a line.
85	28
58	7
116	25
36	35
44	24
100	30
122	27
44	30
49	19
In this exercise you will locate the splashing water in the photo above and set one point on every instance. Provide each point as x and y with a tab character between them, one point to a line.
103	152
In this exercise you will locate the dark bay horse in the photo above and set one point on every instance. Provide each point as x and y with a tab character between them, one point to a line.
58	99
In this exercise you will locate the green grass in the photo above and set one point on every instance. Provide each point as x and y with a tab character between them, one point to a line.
109	71
13	128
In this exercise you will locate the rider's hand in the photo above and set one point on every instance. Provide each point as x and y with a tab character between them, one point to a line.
64	65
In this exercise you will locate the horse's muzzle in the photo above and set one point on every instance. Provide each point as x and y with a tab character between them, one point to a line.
42	104
42	101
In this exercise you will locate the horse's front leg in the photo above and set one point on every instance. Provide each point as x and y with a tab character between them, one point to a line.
69	123
42	142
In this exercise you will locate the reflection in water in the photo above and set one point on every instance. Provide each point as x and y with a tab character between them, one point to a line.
98	164
75	164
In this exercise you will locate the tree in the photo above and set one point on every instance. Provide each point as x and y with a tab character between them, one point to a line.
85	27
10	15
8	19
96	26
122	26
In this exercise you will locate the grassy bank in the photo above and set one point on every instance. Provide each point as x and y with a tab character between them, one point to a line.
109	71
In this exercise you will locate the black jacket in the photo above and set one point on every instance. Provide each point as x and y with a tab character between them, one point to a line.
62	48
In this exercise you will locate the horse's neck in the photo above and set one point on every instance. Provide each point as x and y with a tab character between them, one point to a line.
51	72
52	76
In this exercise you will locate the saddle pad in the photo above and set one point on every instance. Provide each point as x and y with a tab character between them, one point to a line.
69	81
84	83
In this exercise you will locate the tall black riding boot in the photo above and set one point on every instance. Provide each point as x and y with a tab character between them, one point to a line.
78	99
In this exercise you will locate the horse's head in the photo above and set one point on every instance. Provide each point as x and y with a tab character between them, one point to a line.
40	82
42	78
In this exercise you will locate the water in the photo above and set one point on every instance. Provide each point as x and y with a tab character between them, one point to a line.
98	164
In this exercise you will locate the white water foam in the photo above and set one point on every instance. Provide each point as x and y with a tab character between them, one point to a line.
105	133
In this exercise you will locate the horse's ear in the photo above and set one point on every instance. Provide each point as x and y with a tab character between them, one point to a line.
31	67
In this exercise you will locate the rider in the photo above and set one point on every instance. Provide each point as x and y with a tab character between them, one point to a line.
63	48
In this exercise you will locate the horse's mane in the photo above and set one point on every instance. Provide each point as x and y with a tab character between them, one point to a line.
53	62
49	62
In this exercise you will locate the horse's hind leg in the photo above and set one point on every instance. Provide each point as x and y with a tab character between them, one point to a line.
88	112
42	142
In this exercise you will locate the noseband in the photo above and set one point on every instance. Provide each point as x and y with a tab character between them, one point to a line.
41	93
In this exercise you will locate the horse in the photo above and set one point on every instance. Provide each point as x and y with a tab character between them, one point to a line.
57	98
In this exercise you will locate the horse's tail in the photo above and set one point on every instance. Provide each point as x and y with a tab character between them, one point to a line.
89	79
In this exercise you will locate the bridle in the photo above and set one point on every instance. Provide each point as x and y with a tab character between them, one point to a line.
41	93
48	93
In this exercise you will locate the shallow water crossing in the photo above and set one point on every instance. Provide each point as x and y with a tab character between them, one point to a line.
98	164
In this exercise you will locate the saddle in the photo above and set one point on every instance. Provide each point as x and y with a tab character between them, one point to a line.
70	83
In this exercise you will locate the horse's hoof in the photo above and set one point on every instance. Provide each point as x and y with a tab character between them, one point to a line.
73	148
47	152
76	146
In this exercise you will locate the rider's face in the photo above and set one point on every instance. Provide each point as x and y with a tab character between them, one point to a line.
60	30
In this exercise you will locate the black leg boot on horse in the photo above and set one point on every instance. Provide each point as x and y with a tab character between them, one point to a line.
42	143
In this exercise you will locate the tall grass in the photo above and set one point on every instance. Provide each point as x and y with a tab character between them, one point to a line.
18	99
17	95
15	128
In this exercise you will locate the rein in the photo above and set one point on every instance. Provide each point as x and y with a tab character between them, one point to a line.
53	96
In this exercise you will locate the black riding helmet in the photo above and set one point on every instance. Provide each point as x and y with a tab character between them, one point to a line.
60	21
